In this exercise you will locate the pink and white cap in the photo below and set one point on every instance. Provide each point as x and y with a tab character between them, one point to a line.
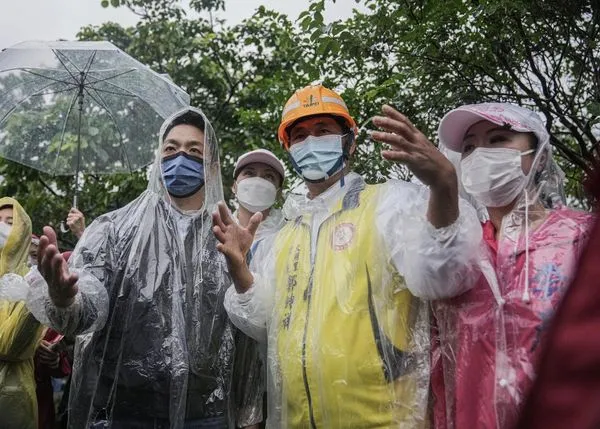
262	156
455	123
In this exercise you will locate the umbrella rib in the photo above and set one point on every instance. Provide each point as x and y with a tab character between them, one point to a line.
22	100
55	52
66	82
103	104
39	92
106	91
62	134
113	76
133	94
87	67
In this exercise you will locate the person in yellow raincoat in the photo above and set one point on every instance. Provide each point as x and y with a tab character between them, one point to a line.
338	295
20	332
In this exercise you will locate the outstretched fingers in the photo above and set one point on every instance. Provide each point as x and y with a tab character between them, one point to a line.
396	155
254	222
392	113
219	233
224	214
395	140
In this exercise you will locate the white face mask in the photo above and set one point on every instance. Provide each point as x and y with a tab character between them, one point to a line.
256	194
493	176
4	233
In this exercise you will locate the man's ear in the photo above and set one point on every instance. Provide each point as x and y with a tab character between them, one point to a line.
234	187
352	149
350	143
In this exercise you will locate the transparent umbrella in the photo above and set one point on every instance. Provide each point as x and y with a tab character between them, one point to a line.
81	107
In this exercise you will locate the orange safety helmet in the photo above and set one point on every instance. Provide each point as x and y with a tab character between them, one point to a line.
309	101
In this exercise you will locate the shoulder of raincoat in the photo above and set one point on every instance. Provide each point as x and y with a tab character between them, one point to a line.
20	332
333	298
157	345
565	392
488	340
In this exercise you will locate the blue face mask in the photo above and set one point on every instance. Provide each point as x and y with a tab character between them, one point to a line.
318	158
183	174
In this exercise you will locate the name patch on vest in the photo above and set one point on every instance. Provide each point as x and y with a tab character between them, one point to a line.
342	236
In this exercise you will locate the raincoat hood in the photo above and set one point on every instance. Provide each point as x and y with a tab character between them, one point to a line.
13	258
213	185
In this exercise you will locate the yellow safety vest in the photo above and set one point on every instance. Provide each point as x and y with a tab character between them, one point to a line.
343	327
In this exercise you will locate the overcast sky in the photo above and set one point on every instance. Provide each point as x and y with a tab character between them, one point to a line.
61	19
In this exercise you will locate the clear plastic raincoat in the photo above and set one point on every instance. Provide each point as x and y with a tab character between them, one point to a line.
336	296
489	338
253	353
155	342
20	332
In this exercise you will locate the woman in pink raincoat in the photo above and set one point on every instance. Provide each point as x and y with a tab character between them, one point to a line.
488	339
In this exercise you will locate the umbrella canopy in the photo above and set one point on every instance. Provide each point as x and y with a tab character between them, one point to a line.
70	107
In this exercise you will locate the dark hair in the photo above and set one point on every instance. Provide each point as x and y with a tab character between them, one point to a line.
281	178
6	206
188	118
533	141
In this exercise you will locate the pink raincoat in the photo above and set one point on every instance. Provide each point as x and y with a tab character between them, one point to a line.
490	344
486	342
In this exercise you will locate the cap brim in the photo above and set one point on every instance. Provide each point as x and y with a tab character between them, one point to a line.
454	126
262	158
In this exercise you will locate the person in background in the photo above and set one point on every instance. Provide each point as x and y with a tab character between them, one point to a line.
485	358
51	361
258	180
33	250
20	332
76	222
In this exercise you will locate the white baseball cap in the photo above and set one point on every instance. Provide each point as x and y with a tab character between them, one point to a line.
262	156
455	123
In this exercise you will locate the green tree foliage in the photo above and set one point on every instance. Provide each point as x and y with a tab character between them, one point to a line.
424	57
430	56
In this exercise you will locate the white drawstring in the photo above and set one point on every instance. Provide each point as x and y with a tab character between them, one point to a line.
526	297
201	246
490	275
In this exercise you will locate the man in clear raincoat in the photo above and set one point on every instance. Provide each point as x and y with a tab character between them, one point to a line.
338	292
491	336
144	289
20	332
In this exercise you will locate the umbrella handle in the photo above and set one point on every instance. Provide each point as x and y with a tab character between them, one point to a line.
63	227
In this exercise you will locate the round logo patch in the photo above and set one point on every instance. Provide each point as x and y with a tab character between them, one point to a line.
342	236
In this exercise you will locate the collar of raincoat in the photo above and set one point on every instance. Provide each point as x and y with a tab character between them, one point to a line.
545	183
296	205
273	223
14	255
213	186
